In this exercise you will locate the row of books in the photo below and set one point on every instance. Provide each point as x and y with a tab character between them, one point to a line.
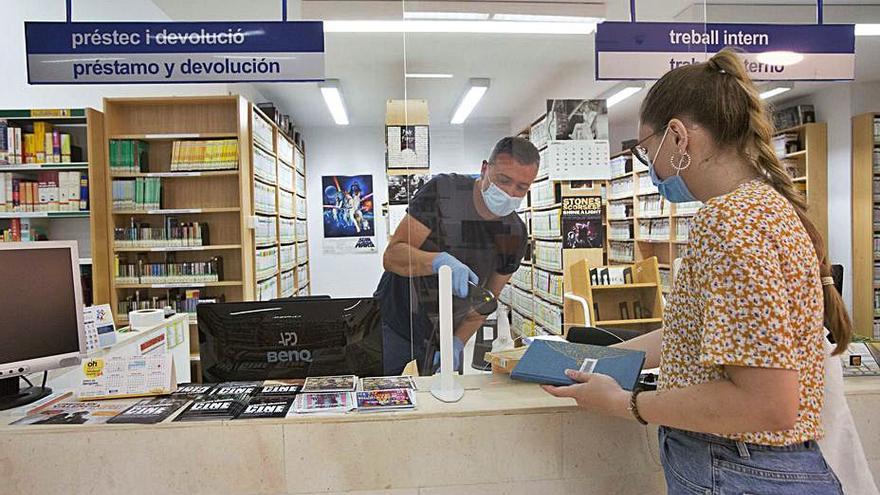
621	251
622	188
653	206
688	208
266	262
287	230
520	325
264	198
544	193
285	203
264	166
265	230
302	253
129	155
179	300
683	229
620	210
52	191
876	273
548	254
546	223
654	230
146	272
302	275
288	283
876	245
214	154
522	277
173	233
20	230
549	285
620	231
267	289
522	301
646	186
786	143
548	315
876	159
876	329
142	193
876	303
43	145
287	254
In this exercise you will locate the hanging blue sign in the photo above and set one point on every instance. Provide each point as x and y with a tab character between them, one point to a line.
174	52
775	52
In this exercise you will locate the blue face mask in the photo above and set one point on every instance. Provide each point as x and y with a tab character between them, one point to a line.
673	187
499	202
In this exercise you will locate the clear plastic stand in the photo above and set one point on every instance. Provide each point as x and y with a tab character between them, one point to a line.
445	387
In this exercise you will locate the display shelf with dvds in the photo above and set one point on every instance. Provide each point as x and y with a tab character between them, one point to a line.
866	224
51	165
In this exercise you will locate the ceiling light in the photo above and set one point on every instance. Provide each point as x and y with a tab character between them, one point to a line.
544	18
332	93
774	89
424	75
867	29
477	87
621	92
461	16
780	58
440	26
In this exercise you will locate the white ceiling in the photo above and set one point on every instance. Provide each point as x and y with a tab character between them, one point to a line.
524	69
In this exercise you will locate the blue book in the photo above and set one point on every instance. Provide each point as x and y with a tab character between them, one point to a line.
545	362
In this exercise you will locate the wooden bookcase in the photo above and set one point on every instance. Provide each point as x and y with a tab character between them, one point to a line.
809	170
88	228
865	224
614	305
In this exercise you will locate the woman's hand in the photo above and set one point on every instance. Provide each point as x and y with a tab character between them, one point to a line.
595	392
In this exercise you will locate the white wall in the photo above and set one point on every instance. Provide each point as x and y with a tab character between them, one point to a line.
361	150
17	93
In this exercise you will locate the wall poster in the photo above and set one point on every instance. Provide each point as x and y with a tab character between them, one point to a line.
348	214
582	223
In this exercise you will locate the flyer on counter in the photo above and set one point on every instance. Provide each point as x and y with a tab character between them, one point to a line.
388	382
193	390
150	411
77	413
267	407
236	388
214	408
333	402
385	400
343	383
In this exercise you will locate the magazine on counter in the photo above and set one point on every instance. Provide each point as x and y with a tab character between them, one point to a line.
343	383
386	400
150	411
330	402
388	382
77	413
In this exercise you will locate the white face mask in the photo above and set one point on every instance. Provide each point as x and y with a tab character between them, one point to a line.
499	202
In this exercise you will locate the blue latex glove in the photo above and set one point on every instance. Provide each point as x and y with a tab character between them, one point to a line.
461	273
457	355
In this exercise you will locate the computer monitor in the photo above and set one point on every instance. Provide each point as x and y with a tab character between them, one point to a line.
289	339
41	315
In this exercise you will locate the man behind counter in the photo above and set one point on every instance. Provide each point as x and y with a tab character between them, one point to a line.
470	225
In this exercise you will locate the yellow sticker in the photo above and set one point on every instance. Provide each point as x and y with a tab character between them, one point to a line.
93	368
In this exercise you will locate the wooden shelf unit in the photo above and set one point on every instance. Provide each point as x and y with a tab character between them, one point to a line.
865	159
219	199
811	162
88	228
604	300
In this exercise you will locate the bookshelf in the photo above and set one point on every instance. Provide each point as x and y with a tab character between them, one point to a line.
214	214
866	224
803	151
69	203
641	223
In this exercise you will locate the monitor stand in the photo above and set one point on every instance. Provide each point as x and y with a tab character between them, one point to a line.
12	396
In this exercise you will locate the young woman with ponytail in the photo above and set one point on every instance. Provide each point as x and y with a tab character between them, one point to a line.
741	350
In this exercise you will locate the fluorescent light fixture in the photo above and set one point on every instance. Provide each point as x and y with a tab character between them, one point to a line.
332	93
442	26
425	75
477	87
780	58
774	89
544	18
867	29
621	92
460	16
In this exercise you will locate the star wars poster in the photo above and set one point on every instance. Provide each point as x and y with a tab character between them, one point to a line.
582	223
577	119
349	216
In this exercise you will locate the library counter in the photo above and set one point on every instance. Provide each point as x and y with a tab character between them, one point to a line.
502	437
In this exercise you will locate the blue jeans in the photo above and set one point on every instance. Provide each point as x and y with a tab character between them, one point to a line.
701	464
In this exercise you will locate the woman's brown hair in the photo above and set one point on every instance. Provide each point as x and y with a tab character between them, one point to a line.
720	96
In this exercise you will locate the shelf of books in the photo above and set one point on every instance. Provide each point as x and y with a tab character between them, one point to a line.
281	255
51	162
803	151
866	224
180	203
641	223
536	290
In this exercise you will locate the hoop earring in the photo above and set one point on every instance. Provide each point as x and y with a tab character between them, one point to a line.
683	162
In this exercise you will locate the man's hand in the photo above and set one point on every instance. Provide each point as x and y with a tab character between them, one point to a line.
595	392
461	273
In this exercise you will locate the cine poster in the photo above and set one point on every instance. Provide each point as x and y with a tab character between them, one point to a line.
582	223
348	214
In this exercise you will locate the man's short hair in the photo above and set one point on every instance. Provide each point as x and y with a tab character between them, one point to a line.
521	150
